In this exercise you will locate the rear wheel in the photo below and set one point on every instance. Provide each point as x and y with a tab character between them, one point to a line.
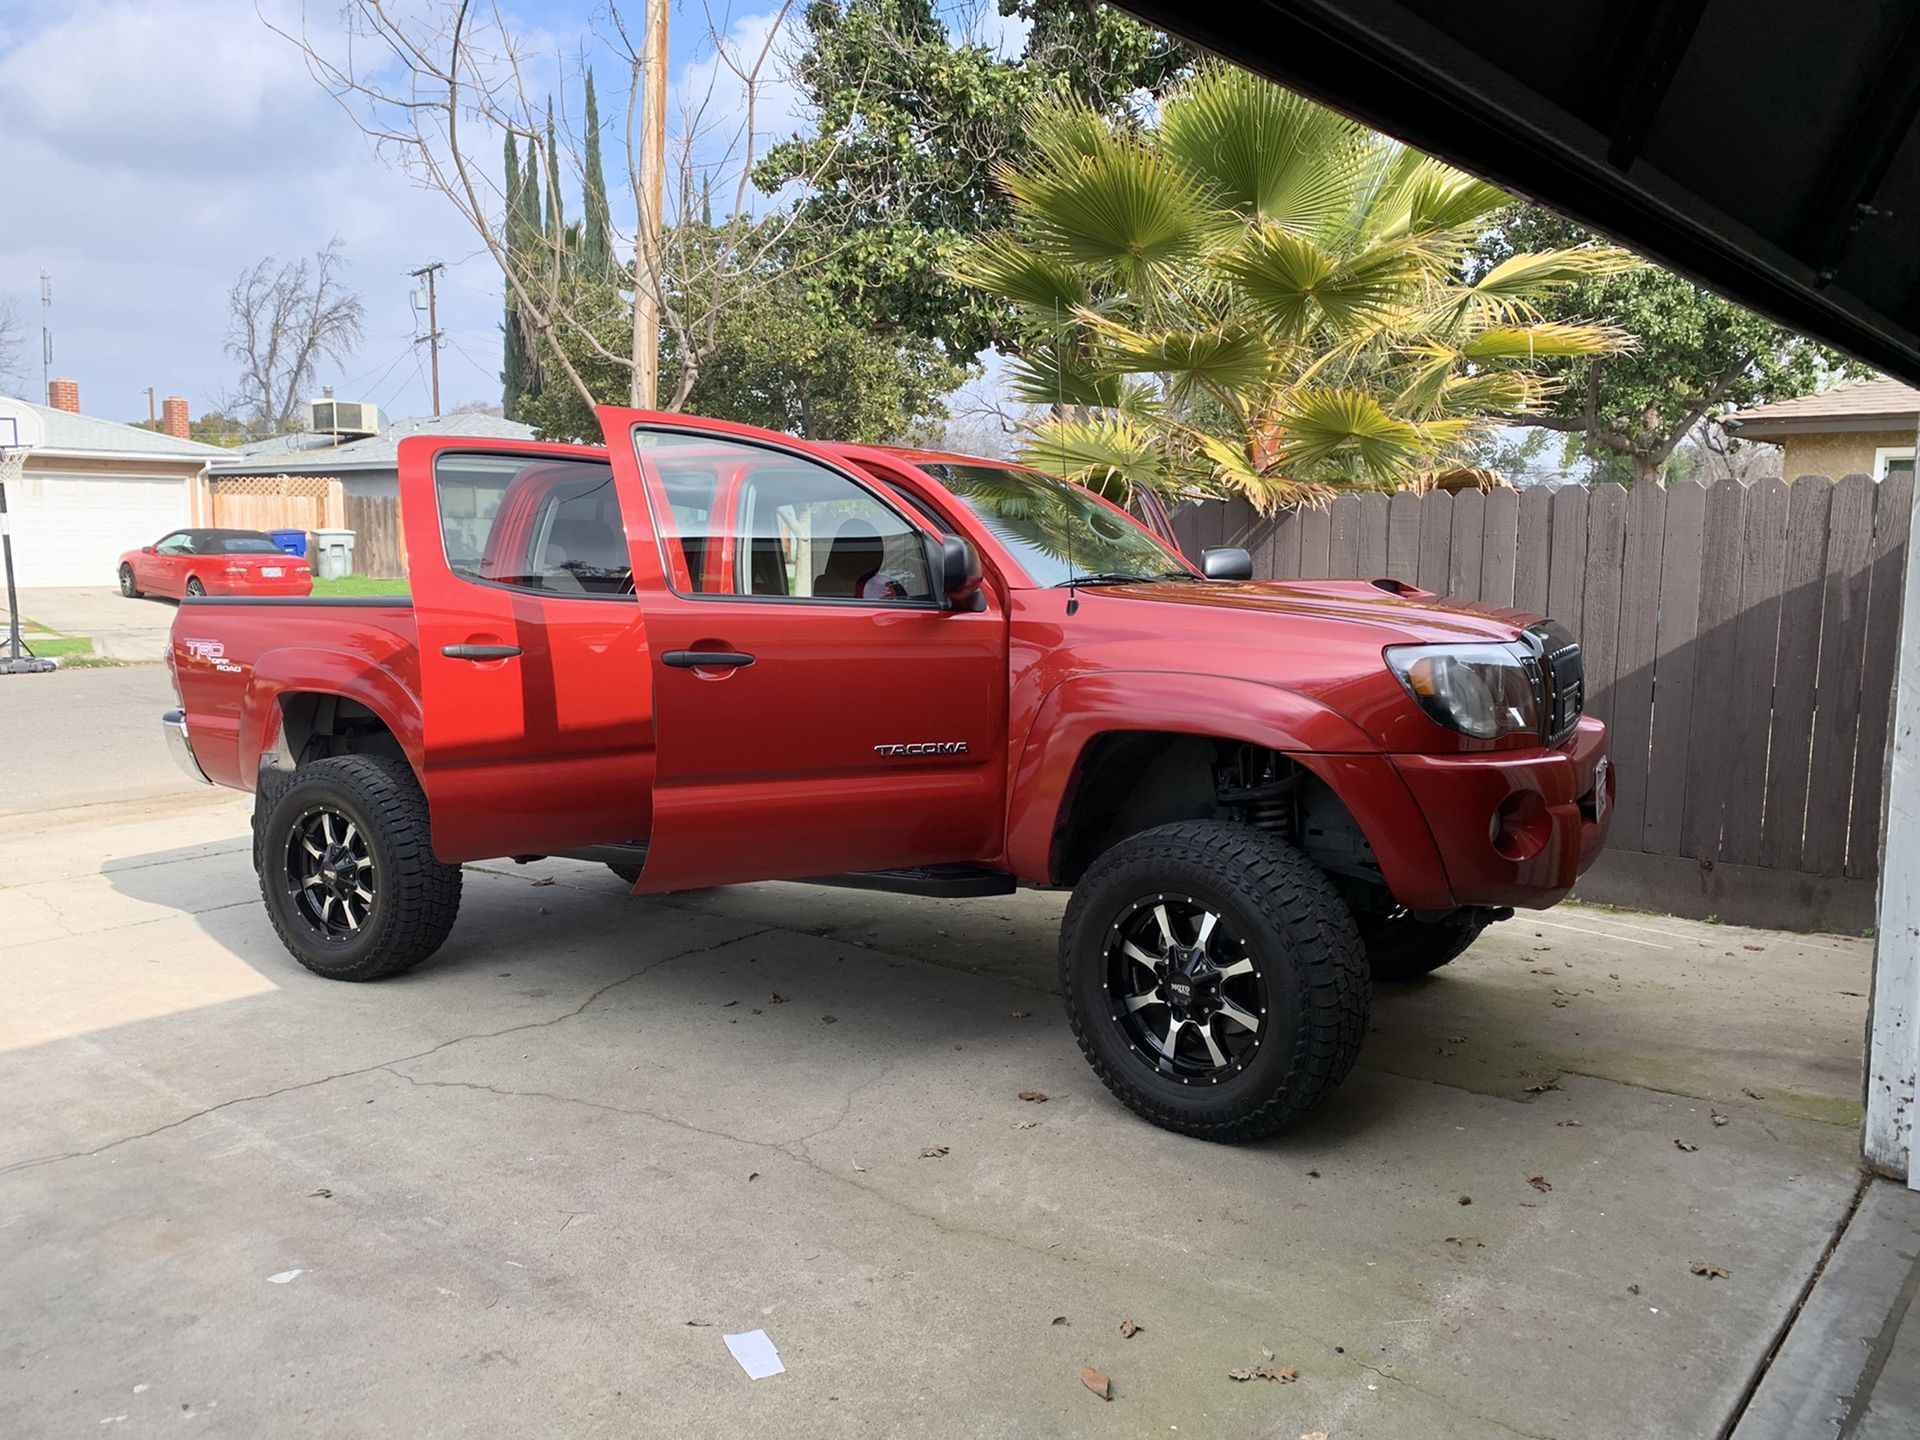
1213	978
127	587
194	587
1401	946
348	873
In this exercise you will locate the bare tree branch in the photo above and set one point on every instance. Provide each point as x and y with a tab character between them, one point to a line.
282	321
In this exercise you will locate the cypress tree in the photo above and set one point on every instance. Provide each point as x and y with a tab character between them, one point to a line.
556	218
513	374
532	243
596	243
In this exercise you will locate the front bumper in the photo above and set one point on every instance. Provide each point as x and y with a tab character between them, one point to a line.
1516	827
174	722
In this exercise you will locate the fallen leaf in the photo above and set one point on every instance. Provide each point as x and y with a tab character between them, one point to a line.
1038	1097
1633	1289
1128	1329
858	1166
1718	1118
829	1019
1061	1320
933	1152
321	1194
1751	1094
1540	1183
1560	1004
1709	1270
1097	1381
776	999
730	1004
1456	1039
1570	1124
547	881
1313	1174
1684	1146
1267	1351
756	1009
1544	1088
700	1322
1025	1124
1753	947
1464	1200
1021	1014
1285	1375
754	1176
1612	976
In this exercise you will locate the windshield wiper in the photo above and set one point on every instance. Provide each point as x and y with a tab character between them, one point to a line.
1103	577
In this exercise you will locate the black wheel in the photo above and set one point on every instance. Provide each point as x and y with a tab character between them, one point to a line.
348	873
628	873
194	587
127	587
1214	979
1402	947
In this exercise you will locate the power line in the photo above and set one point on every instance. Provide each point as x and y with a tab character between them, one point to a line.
430	271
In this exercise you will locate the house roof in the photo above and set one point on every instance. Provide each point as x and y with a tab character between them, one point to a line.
86	435
307	453
1865	405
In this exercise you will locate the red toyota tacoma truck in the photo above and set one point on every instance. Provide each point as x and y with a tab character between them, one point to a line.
704	654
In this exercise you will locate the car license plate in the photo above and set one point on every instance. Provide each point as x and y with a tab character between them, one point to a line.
273	572
1600	789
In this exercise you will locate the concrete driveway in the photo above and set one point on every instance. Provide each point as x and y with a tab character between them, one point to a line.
529	1187
122	629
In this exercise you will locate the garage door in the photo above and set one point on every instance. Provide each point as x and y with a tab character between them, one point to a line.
72	529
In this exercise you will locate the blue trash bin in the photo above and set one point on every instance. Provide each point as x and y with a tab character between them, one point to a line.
294	542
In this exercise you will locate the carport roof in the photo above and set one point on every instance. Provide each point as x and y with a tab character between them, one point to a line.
307	453
71	434
1768	148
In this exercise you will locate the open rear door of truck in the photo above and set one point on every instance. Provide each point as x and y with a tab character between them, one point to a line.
534	673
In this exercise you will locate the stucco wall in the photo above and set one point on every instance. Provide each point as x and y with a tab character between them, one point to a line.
1849	453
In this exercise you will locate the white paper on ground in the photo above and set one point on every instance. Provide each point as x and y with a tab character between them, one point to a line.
755	1353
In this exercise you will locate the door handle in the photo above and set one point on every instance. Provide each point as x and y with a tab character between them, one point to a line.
706	659
479	652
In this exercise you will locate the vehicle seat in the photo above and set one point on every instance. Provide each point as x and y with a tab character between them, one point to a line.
856	555
585	557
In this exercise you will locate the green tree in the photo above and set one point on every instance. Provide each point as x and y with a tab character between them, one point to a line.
1256	295
1696	356
596	240
908	123
515	376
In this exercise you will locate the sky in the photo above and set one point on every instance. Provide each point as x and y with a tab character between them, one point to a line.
154	149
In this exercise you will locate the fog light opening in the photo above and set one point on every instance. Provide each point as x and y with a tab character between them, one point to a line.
1521	826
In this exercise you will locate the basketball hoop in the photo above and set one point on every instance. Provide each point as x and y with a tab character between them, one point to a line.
21	429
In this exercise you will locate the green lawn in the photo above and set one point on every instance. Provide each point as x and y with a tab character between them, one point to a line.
74	652
358	585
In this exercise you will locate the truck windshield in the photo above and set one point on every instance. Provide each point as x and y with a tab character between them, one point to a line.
1058	531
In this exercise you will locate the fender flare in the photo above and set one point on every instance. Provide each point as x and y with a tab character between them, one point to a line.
312	670
1079	710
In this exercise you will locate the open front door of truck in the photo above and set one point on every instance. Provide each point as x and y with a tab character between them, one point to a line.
534	673
820	708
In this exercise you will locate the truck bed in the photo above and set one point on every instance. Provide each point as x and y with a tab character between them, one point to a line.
233	656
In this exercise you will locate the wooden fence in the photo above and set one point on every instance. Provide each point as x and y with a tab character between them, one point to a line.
379	547
1740	641
276	502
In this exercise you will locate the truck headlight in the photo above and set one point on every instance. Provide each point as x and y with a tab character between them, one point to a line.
1485	691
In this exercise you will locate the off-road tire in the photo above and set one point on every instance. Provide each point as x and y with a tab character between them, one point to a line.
1400	947
1300	937
194	588
416	897
127	587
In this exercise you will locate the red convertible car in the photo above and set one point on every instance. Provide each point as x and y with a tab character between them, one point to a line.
214	562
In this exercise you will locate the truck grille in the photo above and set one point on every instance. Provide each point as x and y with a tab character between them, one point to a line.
1563	674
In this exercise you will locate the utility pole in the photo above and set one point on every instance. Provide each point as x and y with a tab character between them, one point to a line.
432	337
46	336
648	265
153	416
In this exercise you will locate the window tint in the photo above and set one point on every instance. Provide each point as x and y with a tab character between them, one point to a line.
242	545
745	520
533	523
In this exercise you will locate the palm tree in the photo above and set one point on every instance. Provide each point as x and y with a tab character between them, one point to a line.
1257	296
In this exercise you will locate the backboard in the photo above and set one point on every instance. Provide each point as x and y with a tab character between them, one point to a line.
21	427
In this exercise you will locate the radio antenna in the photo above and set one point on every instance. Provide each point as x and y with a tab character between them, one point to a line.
1059	417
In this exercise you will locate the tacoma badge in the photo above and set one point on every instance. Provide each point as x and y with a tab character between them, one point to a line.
929	747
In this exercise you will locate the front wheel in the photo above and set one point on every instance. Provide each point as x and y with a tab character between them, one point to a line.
127	586
1214	979
348	873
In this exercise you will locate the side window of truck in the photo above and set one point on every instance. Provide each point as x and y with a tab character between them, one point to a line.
777	526
533	522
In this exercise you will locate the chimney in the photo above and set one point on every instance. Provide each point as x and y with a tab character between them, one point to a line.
64	395
173	418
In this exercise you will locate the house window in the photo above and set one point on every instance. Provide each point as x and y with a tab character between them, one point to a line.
1892	461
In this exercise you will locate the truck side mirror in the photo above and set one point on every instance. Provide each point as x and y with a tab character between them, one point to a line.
1226	562
957	564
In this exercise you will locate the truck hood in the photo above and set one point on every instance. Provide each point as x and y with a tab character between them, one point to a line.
1378	612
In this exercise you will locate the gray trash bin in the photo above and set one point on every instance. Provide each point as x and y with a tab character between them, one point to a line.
333	553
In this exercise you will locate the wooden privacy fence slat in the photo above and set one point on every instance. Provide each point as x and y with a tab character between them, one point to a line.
379	548
1740	642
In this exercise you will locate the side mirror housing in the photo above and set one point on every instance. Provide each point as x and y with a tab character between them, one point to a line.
146	549
1226	562
956	564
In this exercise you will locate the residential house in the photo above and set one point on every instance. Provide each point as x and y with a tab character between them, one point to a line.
98	488
1865	428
